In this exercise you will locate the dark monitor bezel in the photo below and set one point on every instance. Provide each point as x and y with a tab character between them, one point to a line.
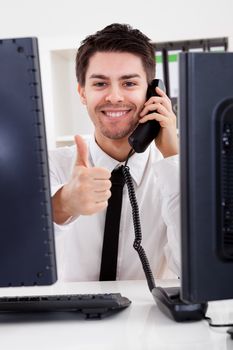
206	80
27	249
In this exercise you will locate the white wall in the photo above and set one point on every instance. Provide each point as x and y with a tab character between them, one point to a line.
62	24
161	20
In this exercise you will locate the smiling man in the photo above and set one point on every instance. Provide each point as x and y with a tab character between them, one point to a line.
114	99
113	68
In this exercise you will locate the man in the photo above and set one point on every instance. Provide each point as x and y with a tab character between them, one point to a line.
113	68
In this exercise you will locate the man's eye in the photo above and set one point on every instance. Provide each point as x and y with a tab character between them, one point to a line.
100	84
129	83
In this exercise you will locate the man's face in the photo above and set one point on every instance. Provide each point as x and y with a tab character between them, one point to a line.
114	93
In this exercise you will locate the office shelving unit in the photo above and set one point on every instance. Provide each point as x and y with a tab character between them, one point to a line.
167	59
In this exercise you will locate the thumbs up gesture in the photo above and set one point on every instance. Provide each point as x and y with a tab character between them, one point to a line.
82	152
88	190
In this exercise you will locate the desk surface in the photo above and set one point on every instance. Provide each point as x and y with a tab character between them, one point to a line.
141	326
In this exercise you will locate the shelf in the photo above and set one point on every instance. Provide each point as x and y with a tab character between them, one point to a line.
64	112
71	115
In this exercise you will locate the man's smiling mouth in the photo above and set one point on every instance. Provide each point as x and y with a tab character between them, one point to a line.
116	114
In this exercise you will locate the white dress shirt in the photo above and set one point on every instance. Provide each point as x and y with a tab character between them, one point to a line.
79	242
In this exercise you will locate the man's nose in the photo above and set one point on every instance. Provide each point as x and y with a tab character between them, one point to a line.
114	95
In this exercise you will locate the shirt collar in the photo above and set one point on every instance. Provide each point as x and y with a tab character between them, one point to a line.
136	163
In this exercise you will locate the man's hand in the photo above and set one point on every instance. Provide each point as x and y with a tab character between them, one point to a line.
167	140
86	193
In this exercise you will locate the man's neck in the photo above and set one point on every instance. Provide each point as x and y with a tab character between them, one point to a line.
117	149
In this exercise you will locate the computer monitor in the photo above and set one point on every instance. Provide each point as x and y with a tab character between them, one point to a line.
206	154
27	254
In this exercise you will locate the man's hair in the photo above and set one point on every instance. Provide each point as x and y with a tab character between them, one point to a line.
116	38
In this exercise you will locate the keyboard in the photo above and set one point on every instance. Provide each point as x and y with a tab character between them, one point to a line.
92	305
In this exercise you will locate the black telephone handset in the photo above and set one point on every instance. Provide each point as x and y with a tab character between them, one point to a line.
145	133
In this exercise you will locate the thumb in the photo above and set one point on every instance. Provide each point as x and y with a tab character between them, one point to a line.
82	152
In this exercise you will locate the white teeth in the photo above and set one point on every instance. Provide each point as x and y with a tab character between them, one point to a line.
115	114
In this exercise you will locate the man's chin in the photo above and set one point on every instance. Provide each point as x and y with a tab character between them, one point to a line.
117	136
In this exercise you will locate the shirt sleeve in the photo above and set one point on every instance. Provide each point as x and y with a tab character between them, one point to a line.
58	179
167	171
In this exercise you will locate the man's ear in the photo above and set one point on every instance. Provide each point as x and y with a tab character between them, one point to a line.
81	91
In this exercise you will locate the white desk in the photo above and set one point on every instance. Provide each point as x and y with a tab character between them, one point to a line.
140	326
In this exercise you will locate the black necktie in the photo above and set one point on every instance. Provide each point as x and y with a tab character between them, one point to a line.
111	230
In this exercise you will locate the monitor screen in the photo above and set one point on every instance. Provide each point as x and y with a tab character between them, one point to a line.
206	140
27	254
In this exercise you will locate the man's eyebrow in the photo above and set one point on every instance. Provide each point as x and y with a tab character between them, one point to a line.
130	76
123	77
98	76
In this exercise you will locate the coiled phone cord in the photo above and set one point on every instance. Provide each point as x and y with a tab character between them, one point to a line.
137	228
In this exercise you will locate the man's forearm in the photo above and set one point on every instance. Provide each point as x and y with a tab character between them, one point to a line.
60	215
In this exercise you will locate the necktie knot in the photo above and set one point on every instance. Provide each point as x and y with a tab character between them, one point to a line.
117	177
